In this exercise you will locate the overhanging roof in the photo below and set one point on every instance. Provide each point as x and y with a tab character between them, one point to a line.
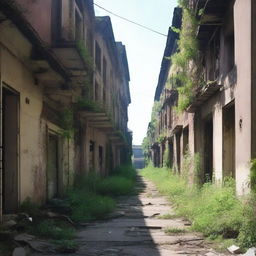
170	48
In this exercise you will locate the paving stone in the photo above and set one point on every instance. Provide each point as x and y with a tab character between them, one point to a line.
19	251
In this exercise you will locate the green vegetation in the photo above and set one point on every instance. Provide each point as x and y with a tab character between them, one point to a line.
66	246
30	208
116	186
67	123
6	248
171	231
87	206
213	210
83	103
85	55
185	62
93	195
167	216
253	175
51	229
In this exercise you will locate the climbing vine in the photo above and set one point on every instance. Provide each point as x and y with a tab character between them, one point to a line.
85	54
85	103
67	123
185	62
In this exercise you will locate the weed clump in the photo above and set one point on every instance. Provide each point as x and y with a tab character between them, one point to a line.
93	195
213	210
53	230
88	206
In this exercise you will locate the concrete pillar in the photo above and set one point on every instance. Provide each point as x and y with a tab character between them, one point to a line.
243	50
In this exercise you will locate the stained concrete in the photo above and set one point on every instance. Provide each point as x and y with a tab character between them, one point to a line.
139	231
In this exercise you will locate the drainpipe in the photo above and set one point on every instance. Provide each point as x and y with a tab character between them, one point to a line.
1	140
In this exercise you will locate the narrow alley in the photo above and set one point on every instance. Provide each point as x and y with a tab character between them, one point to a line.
136	229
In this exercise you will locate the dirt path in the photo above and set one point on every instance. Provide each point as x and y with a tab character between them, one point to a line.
139	231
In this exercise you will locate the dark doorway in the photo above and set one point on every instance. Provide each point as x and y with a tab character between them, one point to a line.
178	151
10	150
101	159
53	166
208	150
91	156
185	140
170	145
229	141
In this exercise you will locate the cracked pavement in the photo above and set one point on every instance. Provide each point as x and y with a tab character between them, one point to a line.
137	230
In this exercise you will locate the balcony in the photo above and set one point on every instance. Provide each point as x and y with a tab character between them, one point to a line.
96	116
202	95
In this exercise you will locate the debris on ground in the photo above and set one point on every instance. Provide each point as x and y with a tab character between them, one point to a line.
234	249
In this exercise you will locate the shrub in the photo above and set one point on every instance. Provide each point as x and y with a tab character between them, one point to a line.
247	235
53	230
29	207
115	186
127	171
213	210
89	206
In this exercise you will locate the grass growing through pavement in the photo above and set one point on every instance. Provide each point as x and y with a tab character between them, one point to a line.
92	197
171	231
214	211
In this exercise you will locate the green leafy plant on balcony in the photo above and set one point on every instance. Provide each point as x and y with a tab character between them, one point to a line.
85	54
185	62
161	137
83	103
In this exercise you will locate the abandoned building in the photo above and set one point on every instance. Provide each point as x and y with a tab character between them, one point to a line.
218	124
138	157
64	97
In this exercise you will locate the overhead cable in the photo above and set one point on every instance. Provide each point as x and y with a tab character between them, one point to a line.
128	20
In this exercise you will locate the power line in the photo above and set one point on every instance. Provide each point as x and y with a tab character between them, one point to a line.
133	22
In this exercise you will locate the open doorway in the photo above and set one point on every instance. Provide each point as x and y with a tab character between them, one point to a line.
178	150
208	149
10	131
229	140
53	173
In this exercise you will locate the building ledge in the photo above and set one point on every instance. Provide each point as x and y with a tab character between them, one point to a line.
203	95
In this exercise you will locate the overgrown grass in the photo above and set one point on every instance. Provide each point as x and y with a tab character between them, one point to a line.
167	216
115	186
6	248
171	231
88	205
214	210
94	196
51	229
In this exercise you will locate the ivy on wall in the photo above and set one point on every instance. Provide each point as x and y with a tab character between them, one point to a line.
185	62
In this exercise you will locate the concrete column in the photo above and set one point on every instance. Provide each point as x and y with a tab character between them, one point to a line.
243	50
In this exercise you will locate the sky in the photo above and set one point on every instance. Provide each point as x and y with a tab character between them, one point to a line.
145	51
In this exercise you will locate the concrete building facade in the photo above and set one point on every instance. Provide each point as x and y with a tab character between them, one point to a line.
62	114
218	125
